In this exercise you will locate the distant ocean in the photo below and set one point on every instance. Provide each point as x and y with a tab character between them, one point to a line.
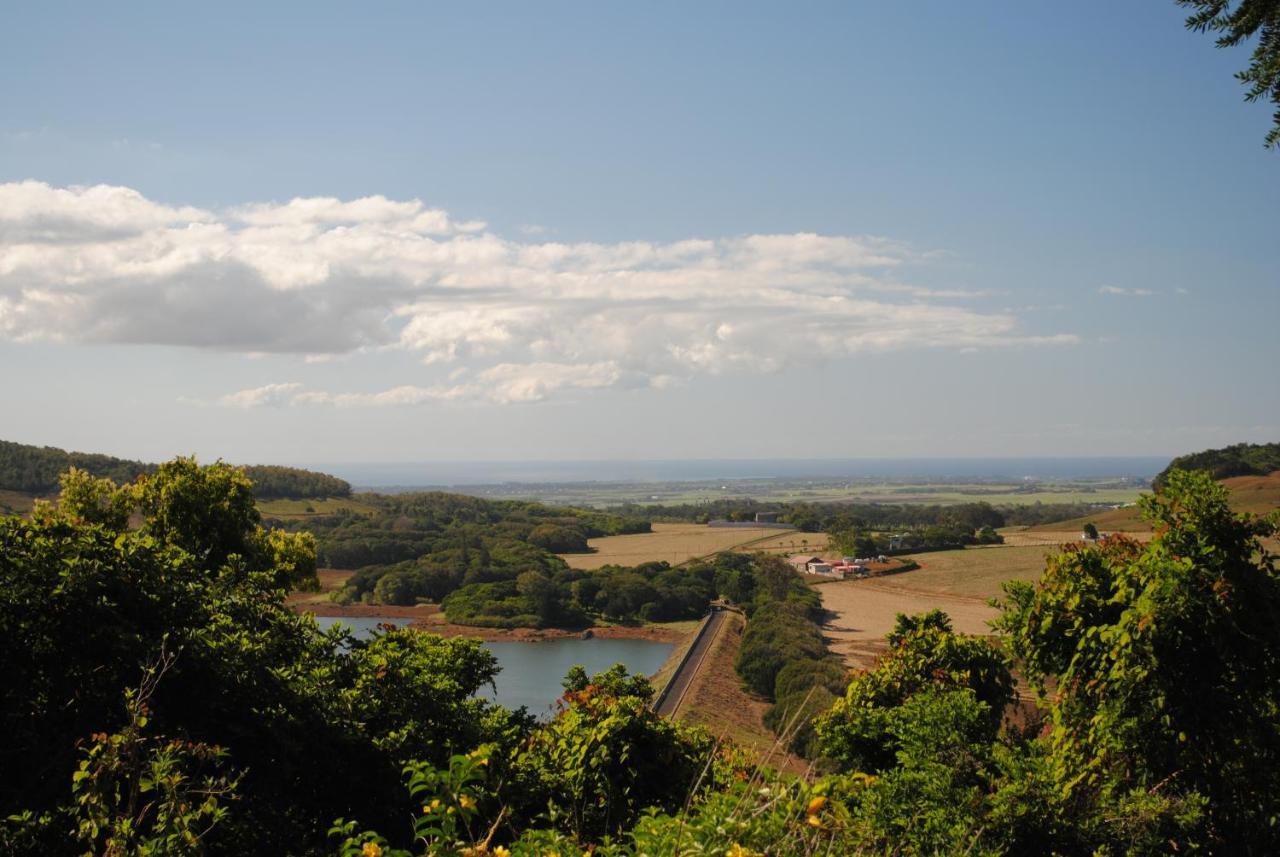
458	473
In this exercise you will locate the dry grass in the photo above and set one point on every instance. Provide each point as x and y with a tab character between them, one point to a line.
1257	495
787	543
959	582
972	573
674	543
15	502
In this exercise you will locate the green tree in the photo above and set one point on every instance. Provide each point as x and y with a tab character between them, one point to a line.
1237	22
1091	531
1163	658
924	655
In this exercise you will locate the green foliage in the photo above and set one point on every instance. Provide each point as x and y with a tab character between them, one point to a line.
859	731
558	539
134	794
1164	660
606	757
271	481
36	469
1239	22
449	798
94	606
778	633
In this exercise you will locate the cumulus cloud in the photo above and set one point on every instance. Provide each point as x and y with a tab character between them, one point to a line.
525	318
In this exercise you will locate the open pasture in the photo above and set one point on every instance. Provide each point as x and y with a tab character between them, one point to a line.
673	543
787	542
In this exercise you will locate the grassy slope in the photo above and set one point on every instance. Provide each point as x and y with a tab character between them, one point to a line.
1257	495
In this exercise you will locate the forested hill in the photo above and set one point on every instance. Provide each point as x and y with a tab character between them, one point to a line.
35	470
271	480
1241	459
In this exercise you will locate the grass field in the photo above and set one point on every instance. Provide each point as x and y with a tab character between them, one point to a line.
674	543
958	582
786	543
974	573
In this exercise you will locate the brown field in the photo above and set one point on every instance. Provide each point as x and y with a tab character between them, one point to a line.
787	543
959	582
674	543
15	502
1256	495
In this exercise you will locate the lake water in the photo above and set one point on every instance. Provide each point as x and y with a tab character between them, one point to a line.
532	672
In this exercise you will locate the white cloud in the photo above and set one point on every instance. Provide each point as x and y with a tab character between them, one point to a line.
525	318
1117	290
270	395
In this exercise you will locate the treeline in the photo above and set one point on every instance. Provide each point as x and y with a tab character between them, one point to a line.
424	547
271	481
783	656
838	517
404	527
571	598
35	470
1240	459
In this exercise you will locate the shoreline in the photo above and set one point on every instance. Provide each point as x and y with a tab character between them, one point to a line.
430	618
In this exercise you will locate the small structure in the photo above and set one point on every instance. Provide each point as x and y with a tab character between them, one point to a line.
766	517
801	561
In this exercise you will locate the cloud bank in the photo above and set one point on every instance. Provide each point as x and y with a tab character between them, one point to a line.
507	320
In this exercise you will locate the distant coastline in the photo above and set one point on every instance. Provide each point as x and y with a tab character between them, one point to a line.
453	474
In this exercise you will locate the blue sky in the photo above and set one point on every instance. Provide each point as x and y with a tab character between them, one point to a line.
632	231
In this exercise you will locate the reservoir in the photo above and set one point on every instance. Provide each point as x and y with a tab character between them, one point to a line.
532	672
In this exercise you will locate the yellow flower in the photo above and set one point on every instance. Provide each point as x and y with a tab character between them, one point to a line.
814	821
371	849
501	851
466	802
738	851
816	805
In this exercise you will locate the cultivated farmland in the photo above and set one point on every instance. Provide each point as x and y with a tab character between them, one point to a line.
673	543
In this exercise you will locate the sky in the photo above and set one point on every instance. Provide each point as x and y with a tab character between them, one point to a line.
330	232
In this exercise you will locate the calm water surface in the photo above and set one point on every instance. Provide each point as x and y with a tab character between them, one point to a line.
532	672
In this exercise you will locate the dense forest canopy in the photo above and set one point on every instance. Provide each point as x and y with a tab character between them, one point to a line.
35	470
1240	459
